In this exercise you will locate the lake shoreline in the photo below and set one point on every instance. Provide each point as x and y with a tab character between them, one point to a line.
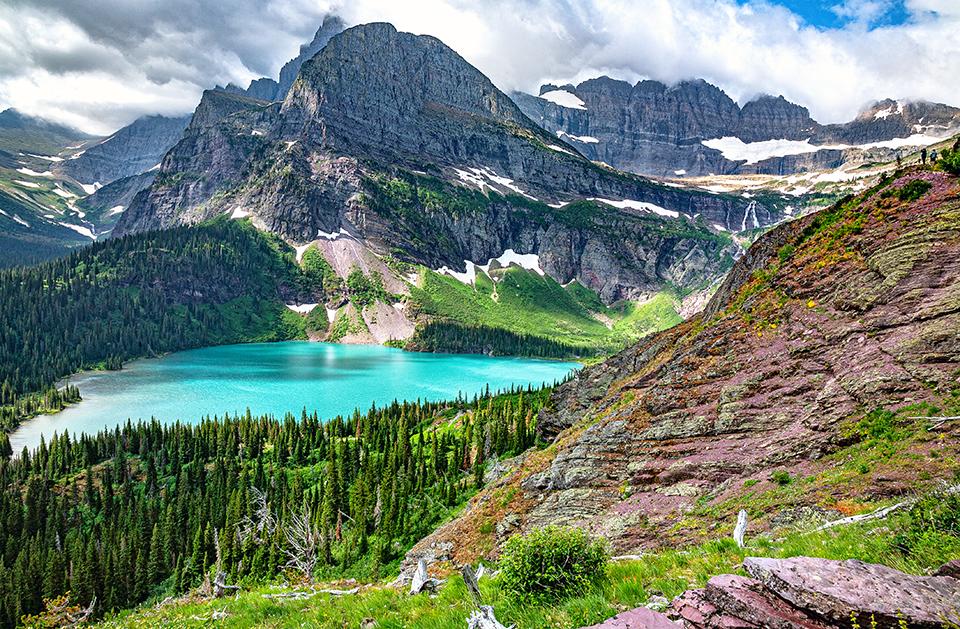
276	378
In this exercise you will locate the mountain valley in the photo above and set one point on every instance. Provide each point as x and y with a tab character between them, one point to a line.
750	319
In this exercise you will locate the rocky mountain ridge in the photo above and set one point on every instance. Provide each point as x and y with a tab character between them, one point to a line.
394	141
829	324
654	129
134	149
266	88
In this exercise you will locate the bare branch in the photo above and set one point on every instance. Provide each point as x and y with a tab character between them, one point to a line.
262	524
303	541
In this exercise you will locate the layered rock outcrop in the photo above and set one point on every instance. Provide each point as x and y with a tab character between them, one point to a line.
827	318
810	593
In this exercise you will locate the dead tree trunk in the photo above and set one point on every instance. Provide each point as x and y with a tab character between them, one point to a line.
483	618
741	528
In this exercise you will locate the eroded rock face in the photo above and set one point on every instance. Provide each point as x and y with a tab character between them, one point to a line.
825	319
811	593
835	590
130	151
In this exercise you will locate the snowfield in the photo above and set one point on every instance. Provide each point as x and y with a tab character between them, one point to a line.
584	139
301	308
528	261
737	150
564	99
640	205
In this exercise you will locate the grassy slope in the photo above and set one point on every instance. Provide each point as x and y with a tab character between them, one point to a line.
525	303
919	546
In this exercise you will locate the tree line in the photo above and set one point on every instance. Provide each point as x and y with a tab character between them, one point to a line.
147	510
453	337
136	296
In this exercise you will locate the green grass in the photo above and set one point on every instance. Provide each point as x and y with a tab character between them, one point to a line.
524	302
927	537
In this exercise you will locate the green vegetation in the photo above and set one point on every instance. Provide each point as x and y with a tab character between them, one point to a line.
364	289
910	191
149	510
527	313
319	275
950	161
138	296
926	537
445	336
551	564
880	443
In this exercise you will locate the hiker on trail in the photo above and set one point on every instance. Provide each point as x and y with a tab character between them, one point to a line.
899	159
933	156
956	145
923	155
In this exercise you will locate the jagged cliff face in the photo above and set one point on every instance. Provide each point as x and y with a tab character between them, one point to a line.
395	141
825	319
130	151
269	89
652	129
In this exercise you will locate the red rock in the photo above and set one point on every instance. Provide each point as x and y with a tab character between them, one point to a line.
748	600
837	589
697	611
639	618
949	569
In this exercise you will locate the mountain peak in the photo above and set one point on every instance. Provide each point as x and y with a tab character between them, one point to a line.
388	90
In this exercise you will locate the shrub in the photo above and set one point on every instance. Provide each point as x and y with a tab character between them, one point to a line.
552	563
931	526
950	162
781	477
910	191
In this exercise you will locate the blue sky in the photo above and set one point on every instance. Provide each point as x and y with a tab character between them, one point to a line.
832	14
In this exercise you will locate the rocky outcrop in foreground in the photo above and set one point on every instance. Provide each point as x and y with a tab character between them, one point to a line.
825	320
807	593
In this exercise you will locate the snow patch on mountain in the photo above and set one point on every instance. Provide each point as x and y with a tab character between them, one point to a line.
482	178
301	308
116	209
26	184
559	149
90	188
584	139
528	261
49	158
639	205
564	99
80	229
32	173
15	218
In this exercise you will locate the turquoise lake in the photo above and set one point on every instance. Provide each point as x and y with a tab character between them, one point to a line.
278	378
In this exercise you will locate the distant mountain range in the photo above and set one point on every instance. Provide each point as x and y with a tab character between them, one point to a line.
693	128
462	132
393	143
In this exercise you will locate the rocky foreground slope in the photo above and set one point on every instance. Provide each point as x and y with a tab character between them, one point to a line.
828	328
394	142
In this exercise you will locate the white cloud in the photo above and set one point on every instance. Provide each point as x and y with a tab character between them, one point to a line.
106	61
